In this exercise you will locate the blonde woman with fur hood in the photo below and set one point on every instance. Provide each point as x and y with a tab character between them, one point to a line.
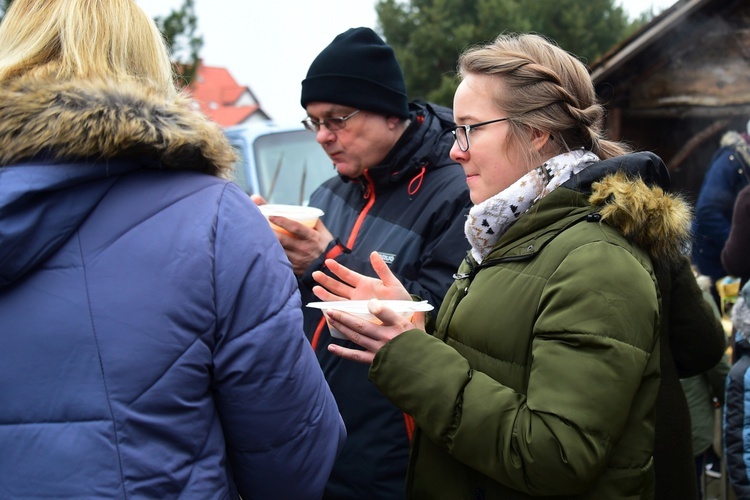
541	375
151	331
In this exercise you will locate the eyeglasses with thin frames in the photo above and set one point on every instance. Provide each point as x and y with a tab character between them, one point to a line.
461	133
332	124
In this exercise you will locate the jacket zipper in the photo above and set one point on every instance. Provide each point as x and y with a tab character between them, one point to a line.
473	270
337	250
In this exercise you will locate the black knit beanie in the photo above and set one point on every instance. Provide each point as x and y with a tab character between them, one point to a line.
360	70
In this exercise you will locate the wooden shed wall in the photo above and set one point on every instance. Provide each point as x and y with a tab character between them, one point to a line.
680	94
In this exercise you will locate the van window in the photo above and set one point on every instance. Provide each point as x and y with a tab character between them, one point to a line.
239	173
290	166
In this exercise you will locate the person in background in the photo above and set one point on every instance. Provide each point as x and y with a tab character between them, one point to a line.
736	415
704	393
398	193
540	378
734	255
152	342
725	178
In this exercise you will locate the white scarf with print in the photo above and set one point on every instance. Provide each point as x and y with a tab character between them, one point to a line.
490	219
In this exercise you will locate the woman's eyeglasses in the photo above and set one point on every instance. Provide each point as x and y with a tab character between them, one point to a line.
332	124
461	133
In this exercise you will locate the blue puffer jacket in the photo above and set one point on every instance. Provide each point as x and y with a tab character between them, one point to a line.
737	402
150	324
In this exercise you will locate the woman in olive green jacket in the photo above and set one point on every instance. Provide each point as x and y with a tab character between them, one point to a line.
541	376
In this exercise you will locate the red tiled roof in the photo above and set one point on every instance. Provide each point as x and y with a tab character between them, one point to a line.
216	85
217	92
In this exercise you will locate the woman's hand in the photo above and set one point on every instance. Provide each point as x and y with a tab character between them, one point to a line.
370	336
355	286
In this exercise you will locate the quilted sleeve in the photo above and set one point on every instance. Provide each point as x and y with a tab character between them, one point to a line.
736	423
592	352
281	423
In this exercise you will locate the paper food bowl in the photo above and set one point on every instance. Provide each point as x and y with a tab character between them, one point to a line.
304	215
405	308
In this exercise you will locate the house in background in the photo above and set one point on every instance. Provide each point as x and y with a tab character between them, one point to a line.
675	86
222	99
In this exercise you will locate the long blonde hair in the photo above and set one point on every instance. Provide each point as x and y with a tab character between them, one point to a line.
83	39
542	87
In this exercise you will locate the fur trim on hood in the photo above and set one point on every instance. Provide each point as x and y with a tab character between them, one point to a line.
657	222
739	143
105	120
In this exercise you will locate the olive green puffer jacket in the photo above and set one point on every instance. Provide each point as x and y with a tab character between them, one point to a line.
543	372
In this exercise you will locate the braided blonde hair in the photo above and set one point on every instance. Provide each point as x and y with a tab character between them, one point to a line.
542	87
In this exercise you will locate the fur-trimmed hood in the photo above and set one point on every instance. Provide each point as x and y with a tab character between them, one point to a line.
64	145
654	220
102	120
631	192
739	142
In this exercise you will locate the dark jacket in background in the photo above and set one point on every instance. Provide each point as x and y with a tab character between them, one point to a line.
692	341
411	209
736	253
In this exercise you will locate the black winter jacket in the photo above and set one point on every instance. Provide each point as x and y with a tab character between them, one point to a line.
411	209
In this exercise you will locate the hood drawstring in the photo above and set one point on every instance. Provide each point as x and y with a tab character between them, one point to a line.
366	185
412	189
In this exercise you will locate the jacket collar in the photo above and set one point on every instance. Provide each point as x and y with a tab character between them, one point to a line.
63	145
425	143
627	192
104	120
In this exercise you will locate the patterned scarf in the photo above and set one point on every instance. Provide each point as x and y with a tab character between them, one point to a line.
490	219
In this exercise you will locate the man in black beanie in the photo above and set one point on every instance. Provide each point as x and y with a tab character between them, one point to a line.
358	70
397	193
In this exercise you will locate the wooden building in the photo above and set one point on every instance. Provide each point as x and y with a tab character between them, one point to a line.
679	83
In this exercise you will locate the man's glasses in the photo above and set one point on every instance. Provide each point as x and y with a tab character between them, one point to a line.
332	124
461	133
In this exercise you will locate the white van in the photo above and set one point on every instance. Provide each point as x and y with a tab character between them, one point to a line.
284	164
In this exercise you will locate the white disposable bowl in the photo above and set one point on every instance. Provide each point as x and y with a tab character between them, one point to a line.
405	308
302	214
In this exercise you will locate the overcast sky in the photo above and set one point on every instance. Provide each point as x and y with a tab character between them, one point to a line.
268	45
